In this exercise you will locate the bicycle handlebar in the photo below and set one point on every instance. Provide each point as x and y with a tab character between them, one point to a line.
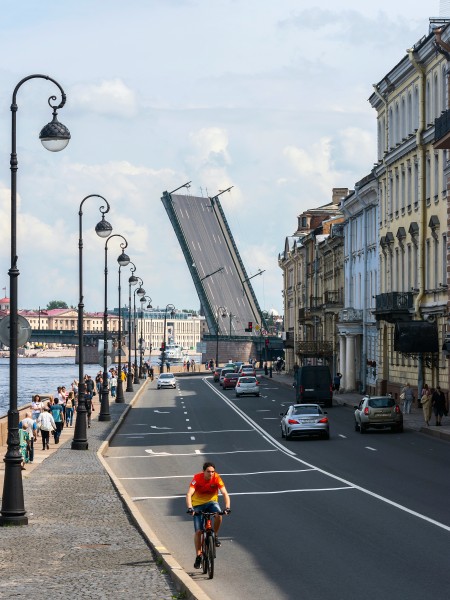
208	514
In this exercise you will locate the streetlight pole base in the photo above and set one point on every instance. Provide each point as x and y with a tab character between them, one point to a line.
120	399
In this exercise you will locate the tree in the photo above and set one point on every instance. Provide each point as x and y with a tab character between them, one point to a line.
56	304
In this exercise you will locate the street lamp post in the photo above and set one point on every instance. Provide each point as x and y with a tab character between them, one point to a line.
223	312
54	137
140	292
142	338
163	352
123	261
132	280
119	394
103	230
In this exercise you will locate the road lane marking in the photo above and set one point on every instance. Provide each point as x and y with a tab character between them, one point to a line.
162	412
271	418
153	454
155	427
222	474
184	432
198	452
259	493
343	436
282	448
263	410
370	448
192	438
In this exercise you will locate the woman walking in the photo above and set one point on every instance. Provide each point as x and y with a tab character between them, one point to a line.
69	409
426	403
439	404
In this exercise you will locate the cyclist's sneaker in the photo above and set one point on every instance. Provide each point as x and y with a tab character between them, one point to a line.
198	561
218	542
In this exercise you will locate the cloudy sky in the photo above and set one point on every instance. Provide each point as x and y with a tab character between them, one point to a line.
267	96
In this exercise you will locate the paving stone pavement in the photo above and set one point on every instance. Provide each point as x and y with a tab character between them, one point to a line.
80	541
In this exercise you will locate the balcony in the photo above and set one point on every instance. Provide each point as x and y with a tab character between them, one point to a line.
394	307
315	302
304	314
314	349
351	315
442	131
332	298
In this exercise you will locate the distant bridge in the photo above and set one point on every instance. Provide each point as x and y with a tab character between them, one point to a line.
51	336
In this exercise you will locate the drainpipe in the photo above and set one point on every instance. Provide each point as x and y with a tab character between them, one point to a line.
422	199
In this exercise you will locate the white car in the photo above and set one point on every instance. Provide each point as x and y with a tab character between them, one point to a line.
166	380
247	386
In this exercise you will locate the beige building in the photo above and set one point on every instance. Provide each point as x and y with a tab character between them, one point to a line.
312	265
412	201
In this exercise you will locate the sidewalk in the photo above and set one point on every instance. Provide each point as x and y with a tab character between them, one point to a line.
413	421
80	541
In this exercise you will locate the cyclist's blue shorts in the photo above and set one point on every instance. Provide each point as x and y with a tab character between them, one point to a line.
208	507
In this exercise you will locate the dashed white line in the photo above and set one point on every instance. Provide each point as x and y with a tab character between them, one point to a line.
369	448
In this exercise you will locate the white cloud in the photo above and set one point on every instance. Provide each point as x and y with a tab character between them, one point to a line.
110	98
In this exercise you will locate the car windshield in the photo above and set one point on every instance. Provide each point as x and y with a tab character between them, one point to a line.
381	402
232	376
247	380
307	410
166	376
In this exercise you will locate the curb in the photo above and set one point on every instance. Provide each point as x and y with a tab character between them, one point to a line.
182	580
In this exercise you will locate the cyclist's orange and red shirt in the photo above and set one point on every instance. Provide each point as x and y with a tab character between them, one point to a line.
205	491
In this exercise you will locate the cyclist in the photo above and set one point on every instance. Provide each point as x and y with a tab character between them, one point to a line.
203	495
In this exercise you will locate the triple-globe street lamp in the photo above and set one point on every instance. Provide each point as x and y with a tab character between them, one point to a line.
103	230
123	261
142	338
223	313
139	292
172	309
54	137
132	280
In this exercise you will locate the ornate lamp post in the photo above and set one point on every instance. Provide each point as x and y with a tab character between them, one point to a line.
163	352
223	313
119	394
103	230
132	280
123	261
140	292
142	338
54	137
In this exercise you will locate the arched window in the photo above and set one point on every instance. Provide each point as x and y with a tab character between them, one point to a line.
436	97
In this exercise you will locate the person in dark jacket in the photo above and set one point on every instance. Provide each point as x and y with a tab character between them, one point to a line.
439	404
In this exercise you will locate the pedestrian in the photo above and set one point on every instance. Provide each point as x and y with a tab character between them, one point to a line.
69	409
36	409
203	495
425	401
31	427
58	416
188	366
113	384
24	439
407	396
168	366
337	382
151	372
192	365
46	424
439	404
89	408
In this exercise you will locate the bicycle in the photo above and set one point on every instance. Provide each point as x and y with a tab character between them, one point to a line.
208	540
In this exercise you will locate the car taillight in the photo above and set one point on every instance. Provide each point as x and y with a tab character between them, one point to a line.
397	409
238	384
292	421
324	420
257	382
366	410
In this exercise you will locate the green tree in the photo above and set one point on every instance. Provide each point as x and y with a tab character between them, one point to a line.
56	304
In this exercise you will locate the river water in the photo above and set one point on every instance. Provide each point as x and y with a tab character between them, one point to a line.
39	376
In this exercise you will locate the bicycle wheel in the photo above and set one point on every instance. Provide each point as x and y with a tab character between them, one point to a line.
205	553
210	555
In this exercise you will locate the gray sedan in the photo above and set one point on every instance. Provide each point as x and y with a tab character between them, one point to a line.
247	386
305	420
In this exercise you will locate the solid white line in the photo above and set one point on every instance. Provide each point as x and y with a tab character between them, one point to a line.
184	432
261	493
222	474
151	454
369	448
343	436
269	438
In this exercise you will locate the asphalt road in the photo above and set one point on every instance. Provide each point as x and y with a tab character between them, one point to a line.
356	516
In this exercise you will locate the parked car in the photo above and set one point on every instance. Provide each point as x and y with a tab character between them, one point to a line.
247	386
230	380
216	373
223	372
166	380
378	412
313	385
304	420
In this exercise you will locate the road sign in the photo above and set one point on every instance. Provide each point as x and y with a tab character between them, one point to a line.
257	327
264	332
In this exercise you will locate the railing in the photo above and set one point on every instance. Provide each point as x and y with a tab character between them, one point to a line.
442	129
394	301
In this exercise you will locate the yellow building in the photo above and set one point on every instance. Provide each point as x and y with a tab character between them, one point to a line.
412	222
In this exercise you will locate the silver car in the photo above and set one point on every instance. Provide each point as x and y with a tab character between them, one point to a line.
378	412
166	380
247	386
304	419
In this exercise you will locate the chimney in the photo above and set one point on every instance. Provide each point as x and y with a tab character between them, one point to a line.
338	194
